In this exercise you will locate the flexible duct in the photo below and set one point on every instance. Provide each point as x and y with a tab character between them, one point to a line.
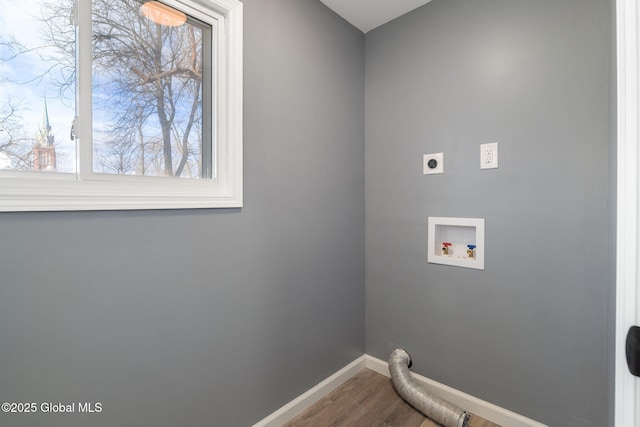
439	410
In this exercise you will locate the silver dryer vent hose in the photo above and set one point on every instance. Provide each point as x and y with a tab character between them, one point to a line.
439	410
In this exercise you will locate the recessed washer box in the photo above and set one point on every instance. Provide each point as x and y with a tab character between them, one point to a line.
456	241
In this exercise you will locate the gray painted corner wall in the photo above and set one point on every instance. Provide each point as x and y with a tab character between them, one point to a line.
208	317
219	317
613	200
531	332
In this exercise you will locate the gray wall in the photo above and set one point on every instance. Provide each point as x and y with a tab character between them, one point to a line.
613	199
529	333
218	317
208	317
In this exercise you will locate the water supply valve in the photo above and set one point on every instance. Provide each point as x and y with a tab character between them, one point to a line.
471	251
445	248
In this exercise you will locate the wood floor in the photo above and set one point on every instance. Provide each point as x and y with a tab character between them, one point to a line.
367	400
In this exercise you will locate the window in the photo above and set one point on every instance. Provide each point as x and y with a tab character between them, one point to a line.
120	104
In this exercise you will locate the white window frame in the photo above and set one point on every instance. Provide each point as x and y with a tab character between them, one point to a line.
85	190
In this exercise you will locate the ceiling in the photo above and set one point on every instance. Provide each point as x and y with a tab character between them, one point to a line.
369	14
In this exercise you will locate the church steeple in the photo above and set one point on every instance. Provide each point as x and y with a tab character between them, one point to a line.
44	151
45	138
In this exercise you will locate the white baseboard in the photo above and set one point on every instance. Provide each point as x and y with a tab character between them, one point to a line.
302	402
471	404
467	402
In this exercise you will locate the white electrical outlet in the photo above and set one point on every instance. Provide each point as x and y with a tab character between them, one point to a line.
489	156
433	163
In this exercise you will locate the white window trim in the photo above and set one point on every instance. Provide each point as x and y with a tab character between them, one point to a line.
45	191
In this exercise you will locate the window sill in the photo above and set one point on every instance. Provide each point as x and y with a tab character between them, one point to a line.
58	195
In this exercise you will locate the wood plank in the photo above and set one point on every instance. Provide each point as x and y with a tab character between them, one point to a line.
367	400
476	421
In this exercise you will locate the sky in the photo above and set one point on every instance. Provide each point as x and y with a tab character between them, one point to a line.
23	24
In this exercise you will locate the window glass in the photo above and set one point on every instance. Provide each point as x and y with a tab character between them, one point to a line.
37	86
149	82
